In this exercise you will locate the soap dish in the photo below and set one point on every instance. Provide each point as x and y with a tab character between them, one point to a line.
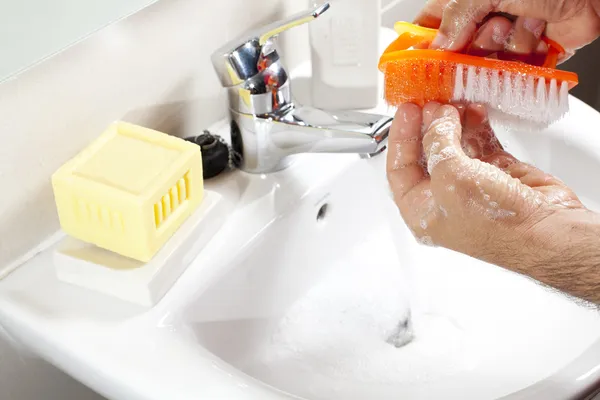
82	264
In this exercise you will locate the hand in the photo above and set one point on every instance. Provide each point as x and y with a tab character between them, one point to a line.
456	186
571	23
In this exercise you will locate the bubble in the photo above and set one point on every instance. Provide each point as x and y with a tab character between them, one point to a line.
398	157
433	148
410	140
446	154
443	211
426	240
486	197
423	224
499	214
423	162
444	126
450	188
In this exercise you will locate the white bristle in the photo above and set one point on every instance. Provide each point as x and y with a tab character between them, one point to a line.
471	90
553	95
530	91
495	89
514	99
484	86
458	83
564	98
540	95
506	93
519	90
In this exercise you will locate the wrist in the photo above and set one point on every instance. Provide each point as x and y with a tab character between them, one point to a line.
563	251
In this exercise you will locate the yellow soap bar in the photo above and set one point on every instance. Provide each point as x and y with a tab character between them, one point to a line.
130	190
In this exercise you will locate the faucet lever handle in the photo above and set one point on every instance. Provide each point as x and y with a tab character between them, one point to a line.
237	61
300	18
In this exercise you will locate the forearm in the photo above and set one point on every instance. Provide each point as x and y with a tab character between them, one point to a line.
564	252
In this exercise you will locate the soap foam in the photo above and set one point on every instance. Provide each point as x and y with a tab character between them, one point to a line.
338	334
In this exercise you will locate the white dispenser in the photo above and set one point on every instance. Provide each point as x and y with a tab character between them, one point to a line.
345	52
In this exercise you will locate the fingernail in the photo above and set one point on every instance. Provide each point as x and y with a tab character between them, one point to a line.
500	34
535	26
440	42
446	111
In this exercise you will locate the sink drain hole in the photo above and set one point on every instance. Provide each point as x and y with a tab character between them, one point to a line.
322	213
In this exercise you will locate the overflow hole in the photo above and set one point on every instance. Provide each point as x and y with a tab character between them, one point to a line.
322	213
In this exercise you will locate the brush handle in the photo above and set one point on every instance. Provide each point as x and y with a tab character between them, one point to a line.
411	35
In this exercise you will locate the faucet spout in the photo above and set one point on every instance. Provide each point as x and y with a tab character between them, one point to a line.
312	130
264	142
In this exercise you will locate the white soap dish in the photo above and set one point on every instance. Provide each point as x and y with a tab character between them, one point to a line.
88	266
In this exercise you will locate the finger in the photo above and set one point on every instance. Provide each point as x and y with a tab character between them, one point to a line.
565	57
404	150
531	176
554	189
476	116
459	23
501	160
574	33
428	112
441	143
491	37
431	14
461	108
478	137
525	36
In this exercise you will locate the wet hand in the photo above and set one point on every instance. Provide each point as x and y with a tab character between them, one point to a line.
456	187
571	23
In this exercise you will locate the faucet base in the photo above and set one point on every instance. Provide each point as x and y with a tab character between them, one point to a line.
264	143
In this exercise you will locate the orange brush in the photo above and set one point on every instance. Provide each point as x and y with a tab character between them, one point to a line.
512	90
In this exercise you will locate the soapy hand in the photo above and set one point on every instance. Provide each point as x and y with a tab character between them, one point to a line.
571	23
456	186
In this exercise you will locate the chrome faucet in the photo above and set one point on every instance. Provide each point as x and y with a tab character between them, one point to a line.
267	126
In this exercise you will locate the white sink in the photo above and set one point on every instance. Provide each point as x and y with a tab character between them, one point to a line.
297	295
309	308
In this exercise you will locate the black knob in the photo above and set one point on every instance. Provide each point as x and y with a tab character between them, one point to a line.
215	153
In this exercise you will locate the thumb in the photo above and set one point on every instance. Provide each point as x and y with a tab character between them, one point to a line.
459	23
442	144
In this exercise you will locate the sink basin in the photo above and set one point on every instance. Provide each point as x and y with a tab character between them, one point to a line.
309	309
300	292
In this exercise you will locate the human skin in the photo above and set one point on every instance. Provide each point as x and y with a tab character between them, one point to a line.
456	187
571	23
